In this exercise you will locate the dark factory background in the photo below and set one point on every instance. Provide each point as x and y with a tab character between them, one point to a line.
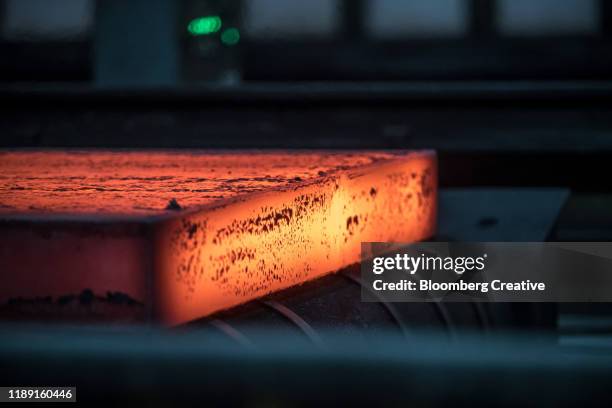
178	42
514	95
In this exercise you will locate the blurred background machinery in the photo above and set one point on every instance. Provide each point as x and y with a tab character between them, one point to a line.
164	42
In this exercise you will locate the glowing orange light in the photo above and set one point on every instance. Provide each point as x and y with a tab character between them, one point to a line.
248	224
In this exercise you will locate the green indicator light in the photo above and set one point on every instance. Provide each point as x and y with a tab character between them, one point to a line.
204	25
231	36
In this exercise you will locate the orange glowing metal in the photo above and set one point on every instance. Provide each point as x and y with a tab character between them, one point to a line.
250	223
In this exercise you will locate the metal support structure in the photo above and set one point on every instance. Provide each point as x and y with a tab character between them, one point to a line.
482	18
605	14
136	43
353	12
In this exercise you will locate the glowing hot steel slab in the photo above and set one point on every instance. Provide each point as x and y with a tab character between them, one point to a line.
178	236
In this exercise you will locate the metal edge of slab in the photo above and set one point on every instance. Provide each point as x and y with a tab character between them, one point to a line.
221	257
